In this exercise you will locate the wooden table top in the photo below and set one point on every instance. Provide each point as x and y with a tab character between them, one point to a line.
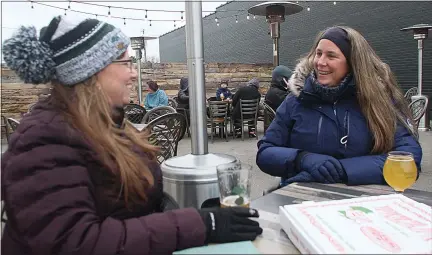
275	241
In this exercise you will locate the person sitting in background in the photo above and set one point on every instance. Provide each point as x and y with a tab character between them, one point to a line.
248	92
278	88
223	93
155	97
183	94
79	179
345	113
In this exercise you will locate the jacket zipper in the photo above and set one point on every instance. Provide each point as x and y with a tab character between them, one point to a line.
344	139
319	129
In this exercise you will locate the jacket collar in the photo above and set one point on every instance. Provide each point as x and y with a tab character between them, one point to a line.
300	84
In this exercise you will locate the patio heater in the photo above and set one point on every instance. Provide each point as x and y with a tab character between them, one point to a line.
137	44
275	13
420	32
192	179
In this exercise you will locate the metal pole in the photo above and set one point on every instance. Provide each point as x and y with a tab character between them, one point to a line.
138	53
275	51
195	62
420	66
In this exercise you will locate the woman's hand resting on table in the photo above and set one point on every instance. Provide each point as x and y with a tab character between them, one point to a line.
230	224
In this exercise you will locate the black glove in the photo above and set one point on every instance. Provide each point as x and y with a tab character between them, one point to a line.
323	168
230	224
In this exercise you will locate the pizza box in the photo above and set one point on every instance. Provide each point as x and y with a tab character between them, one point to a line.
386	224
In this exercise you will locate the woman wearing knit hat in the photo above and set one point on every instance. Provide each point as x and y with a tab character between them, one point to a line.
79	179
345	113
155	96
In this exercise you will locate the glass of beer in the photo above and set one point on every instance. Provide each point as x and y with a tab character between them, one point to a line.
400	170
234	184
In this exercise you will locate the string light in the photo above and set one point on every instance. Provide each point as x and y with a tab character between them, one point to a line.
145	15
334	3
217	24
124	21
254	17
65	12
109	11
150	22
69	5
308	9
236	19
181	15
174	24
247	16
32	4
216	19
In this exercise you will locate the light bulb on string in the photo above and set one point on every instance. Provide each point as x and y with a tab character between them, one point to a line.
174	24
236	19
69	5
124	21
308	9
109	12
32	5
181	15
254	17
247	17
96	16
217	24
150	22
334	3
216	19
65	12
145	14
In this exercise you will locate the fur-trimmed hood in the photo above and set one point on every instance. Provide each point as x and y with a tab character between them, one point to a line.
297	80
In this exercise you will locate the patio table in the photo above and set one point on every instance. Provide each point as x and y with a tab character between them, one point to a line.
275	241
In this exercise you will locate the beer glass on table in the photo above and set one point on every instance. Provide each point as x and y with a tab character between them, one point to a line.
234	184
400	170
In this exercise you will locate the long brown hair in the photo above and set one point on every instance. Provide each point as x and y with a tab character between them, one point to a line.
379	95
86	107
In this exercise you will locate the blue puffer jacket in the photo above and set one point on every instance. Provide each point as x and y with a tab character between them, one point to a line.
305	123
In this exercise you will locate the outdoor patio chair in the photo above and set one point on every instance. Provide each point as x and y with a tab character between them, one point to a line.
411	92
134	113
5	127
269	115
418	108
218	111
248	116
166	131
157	112
172	103
13	123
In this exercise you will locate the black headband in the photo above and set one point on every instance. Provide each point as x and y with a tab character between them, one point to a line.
339	37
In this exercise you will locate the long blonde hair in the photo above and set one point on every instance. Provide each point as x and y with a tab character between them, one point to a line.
379	95
87	109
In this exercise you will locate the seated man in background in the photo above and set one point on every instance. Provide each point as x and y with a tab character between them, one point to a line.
223	93
278	88
246	93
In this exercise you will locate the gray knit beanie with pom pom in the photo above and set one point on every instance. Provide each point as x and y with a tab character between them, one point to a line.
68	51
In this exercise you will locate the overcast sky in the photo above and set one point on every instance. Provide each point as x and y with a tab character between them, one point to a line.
16	13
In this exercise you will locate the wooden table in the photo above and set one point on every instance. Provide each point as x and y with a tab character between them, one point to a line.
275	241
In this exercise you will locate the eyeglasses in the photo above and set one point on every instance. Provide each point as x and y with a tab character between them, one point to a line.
126	62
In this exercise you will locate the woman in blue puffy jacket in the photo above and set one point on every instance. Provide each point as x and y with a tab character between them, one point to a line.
345	113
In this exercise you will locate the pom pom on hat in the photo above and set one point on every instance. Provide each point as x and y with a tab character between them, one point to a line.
30	58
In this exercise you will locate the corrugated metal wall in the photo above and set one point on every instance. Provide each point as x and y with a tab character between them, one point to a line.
248	41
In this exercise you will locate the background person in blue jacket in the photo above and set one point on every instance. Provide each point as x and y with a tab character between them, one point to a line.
155	97
345	113
223	93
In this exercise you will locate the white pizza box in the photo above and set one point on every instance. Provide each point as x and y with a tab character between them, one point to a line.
386	224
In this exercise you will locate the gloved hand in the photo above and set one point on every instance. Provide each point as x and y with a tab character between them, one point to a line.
323	168
230	224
